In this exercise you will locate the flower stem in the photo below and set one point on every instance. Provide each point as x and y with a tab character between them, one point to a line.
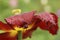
19	35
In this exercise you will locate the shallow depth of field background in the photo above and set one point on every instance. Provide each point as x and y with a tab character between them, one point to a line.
5	11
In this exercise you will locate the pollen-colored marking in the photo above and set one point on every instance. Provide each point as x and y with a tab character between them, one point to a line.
30	26
13	33
24	29
16	11
18	29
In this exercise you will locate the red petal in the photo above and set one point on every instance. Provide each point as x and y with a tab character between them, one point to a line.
43	25
28	17
4	26
5	36
20	19
15	20
28	33
53	29
47	17
55	17
46	25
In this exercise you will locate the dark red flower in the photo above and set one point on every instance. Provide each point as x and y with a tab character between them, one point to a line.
24	22
27	23
48	21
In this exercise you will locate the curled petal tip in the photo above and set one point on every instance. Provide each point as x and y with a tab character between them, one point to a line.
48	23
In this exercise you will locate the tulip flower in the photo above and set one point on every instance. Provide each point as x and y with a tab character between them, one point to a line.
27	23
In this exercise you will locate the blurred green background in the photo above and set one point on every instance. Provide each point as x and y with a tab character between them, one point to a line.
5	11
